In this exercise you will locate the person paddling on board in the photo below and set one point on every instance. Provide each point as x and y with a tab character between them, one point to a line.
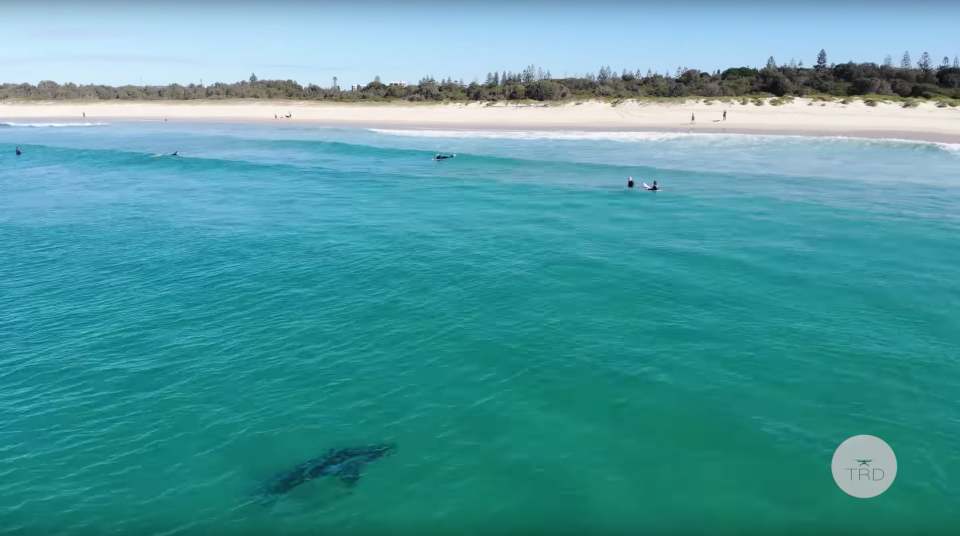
442	156
18	151
629	182
654	188
176	153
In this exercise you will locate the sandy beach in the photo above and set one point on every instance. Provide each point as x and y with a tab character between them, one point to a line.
925	122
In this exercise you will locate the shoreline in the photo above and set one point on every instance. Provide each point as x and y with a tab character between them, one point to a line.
803	117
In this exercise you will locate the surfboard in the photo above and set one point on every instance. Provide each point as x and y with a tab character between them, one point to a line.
648	188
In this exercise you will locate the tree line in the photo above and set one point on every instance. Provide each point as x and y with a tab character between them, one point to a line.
920	79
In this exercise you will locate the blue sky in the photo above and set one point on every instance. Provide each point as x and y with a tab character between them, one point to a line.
115	43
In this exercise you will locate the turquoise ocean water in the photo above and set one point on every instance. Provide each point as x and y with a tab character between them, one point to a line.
551	352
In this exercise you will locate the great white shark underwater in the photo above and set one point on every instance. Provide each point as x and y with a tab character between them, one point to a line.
344	464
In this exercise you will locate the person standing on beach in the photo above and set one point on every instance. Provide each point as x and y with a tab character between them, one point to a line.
724	115
693	119
84	115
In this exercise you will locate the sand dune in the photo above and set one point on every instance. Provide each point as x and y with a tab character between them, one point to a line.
802	116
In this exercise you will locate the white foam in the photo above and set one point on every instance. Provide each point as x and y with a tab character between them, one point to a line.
536	134
51	125
635	137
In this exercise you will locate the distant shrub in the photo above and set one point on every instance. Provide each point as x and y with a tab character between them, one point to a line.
543	90
870	102
862	86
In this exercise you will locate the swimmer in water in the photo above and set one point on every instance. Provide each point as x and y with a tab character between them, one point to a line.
629	182
18	151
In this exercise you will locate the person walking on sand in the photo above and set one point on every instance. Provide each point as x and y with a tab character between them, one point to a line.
84	115
693	119
724	115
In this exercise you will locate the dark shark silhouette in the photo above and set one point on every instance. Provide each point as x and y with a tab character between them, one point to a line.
344	464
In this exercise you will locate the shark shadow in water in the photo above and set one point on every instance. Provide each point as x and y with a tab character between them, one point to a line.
344	464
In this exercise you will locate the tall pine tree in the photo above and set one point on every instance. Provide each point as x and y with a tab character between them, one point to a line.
905	63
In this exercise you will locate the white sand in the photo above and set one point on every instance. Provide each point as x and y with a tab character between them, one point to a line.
886	120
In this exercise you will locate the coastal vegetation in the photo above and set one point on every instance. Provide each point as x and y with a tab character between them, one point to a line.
905	82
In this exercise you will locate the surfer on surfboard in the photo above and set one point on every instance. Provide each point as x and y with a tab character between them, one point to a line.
653	188
444	156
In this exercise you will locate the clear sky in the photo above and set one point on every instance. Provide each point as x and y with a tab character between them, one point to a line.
119	42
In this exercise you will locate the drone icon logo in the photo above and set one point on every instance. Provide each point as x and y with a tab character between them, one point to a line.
867	477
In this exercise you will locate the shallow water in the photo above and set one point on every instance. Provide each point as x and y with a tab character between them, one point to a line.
549	350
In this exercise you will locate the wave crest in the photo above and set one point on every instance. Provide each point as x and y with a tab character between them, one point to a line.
50	125
649	136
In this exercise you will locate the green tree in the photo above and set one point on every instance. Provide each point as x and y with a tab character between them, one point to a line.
956	62
945	64
376	79
905	63
924	62
821	60
253	78
888	61
529	74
